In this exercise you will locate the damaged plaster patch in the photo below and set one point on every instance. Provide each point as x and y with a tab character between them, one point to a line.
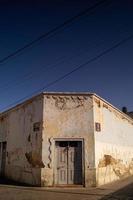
63	103
119	168
34	159
107	160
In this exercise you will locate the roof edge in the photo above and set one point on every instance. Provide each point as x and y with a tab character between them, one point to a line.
115	108
66	93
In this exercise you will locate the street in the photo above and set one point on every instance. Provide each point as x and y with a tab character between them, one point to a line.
122	190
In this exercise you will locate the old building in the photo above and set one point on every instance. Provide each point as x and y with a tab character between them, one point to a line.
66	139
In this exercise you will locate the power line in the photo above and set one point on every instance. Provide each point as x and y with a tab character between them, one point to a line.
52	31
74	70
30	75
41	69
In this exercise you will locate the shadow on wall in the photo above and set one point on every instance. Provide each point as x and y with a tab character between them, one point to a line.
125	193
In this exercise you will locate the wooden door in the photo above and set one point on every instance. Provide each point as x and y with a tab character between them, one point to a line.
62	155
69	162
75	162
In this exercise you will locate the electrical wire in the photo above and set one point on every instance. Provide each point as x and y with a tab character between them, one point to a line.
95	58
45	68
52	31
31	75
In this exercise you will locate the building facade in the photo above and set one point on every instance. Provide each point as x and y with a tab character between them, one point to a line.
56	139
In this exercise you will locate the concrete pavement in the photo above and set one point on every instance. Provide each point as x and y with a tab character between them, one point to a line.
121	190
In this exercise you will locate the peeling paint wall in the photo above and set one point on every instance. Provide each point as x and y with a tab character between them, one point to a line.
113	143
23	156
31	129
69	117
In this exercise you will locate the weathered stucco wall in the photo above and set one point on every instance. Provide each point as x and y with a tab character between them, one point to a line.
67	116
21	128
32	128
113	143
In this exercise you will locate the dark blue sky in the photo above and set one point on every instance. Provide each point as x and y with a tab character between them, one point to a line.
111	76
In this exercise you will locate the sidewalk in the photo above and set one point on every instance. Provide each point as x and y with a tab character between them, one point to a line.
120	190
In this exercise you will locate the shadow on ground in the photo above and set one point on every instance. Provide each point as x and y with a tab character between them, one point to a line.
125	193
4	181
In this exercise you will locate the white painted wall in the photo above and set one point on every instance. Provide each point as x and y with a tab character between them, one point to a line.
67	116
16	127
108	154
115	140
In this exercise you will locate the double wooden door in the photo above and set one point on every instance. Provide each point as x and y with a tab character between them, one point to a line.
69	162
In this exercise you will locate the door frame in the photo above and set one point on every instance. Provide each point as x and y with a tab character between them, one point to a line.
3	164
54	161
